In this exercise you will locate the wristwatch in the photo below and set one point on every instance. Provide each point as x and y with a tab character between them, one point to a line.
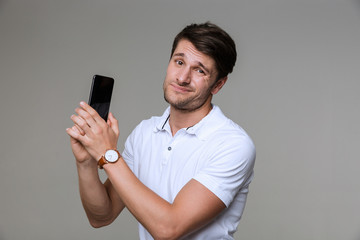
111	156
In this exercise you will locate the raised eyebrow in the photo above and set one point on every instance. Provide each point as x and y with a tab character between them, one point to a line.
178	55
199	63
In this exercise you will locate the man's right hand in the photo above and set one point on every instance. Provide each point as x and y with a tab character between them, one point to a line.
80	153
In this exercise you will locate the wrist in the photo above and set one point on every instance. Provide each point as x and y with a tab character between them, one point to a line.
88	163
110	156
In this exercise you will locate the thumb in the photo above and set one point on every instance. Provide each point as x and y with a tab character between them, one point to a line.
113	123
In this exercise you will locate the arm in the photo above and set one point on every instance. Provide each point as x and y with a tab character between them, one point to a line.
101	203
193	207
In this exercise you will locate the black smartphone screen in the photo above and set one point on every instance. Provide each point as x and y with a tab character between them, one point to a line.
100	95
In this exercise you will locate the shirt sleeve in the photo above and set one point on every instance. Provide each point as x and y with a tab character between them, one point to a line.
229	169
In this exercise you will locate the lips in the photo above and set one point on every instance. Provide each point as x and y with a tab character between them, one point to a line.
180	88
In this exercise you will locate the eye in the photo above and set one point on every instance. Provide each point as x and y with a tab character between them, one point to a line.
179	62
199	70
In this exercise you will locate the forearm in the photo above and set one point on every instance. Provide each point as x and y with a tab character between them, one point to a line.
88	141
157	215
93	194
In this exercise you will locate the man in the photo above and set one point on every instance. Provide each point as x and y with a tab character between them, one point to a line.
184	174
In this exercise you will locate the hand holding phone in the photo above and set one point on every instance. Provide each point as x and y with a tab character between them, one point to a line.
100	94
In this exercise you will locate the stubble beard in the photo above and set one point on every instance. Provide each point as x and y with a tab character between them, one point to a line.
189	104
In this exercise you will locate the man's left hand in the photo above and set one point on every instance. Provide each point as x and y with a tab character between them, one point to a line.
97	135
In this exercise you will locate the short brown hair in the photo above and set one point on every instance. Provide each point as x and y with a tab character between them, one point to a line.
213	41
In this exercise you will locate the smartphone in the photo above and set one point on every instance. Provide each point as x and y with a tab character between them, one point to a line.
100	94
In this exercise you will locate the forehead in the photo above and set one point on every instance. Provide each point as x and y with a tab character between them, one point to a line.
187	50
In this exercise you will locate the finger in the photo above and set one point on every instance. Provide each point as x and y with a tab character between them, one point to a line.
81	123
114	124
73	132
86	116
92	112
78	129
75	136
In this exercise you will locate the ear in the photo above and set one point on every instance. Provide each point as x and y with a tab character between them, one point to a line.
218	85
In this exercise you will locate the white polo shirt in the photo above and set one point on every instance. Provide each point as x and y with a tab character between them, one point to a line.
216	152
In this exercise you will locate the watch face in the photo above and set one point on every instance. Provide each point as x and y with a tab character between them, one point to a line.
111	156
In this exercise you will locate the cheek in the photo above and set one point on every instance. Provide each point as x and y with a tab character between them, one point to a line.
167	75
170	73
202	83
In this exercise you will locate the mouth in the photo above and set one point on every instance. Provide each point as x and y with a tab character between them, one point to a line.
180	89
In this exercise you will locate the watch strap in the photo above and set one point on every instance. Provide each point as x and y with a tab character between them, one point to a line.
102	161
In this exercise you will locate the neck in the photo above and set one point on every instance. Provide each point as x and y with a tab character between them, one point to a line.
183	119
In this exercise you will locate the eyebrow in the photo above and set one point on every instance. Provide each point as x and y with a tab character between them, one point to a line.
199	63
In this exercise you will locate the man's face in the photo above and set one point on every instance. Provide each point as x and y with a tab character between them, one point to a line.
190	78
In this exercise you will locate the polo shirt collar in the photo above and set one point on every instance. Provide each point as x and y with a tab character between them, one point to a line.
203	129
162	121
209	124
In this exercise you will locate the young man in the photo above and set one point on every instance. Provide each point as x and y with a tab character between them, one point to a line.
182	175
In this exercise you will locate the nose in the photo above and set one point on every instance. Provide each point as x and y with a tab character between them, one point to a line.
183	76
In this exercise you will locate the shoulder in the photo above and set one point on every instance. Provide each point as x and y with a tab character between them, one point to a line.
223	129
232	132
231	139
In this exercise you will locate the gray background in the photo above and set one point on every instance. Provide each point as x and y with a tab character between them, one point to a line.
295	89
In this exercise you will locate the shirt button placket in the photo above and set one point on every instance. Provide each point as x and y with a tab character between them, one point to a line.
167	155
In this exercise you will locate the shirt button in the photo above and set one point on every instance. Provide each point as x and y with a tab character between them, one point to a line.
169	148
